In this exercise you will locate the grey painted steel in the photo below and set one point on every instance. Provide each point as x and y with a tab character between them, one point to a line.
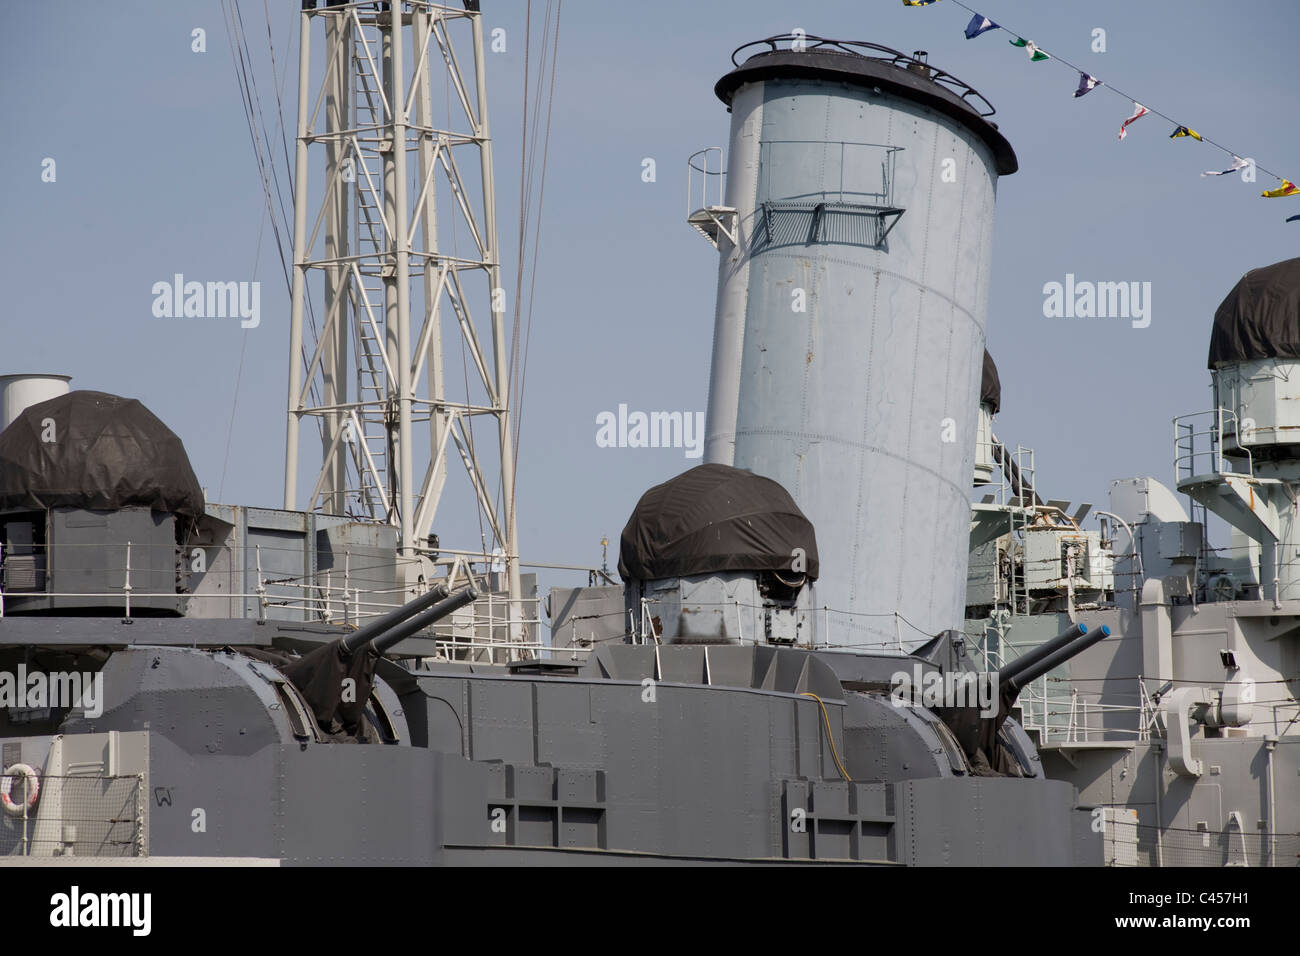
734	266
584	617
943	840
718	609
729	760
1253	771
1099	738
81	567
846	404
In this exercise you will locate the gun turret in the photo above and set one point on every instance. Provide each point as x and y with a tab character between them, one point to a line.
336	679
980	731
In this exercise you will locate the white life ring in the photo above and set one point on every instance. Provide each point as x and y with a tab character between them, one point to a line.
7	783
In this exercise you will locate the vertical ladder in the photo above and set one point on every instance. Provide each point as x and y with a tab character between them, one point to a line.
372	378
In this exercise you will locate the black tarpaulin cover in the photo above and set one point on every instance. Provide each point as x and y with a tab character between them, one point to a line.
96	451
320	675
715	518
1260	318
990	384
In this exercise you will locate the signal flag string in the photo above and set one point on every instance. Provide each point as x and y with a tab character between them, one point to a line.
980	24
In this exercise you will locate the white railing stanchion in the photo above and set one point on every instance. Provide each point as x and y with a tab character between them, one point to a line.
126	580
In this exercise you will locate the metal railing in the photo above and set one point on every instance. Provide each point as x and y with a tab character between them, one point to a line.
1017	498
709	182
1060	713
852	155
1198	444
803	41
238	582
710	218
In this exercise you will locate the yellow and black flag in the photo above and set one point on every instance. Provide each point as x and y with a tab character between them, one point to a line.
1185	131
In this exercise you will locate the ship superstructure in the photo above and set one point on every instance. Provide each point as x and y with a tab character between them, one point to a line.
317	686
1183	727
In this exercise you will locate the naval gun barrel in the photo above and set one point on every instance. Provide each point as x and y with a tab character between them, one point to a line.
320	675
1042	650
364	635
420	621
1013	677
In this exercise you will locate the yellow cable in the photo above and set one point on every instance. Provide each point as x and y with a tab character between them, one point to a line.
830	735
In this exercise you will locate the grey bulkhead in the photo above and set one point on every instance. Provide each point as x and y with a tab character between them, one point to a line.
582	767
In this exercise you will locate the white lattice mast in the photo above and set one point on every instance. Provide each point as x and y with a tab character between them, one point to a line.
377	246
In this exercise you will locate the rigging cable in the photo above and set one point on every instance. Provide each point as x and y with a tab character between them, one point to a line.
251	102
529	171
257	256
532	287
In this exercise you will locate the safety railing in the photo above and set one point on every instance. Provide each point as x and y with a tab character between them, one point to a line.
240	582
866	172
1199	447
855	204
801	41
1061	712
705	179
706	212
1011	487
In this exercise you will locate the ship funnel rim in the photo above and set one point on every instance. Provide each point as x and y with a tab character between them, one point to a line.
892	71
856	48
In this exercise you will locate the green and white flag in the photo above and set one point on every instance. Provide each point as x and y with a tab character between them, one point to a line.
1035	54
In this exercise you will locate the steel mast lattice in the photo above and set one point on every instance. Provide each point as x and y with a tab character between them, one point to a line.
381	236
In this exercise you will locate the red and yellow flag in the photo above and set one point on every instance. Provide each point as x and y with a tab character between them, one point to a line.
1287	188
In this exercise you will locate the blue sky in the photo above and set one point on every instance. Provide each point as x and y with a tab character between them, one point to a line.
155	175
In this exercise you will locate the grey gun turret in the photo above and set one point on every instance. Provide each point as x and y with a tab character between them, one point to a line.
336	679
1013	677
979	731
